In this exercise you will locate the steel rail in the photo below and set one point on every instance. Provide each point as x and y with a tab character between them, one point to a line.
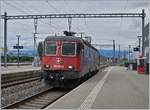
14	83
12	77
33	101
38	101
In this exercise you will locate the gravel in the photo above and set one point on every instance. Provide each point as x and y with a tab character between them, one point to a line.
17	93
23	86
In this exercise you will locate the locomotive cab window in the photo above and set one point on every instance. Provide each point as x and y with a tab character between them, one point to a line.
51	48
68	49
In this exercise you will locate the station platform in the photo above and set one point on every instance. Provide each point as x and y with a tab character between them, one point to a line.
18	69
113	88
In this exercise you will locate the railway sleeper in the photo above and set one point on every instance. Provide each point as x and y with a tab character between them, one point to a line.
25	107
33	105
40	103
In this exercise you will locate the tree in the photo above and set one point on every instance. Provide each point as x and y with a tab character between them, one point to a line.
40	49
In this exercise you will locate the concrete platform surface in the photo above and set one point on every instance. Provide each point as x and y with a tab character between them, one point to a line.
16	69
113	88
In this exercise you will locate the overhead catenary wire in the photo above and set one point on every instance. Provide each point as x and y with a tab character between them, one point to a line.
25	12
24	25
58	11
67	4
18	9
50	5
35	10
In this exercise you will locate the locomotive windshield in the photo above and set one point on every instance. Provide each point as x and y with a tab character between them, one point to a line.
68	49
51	48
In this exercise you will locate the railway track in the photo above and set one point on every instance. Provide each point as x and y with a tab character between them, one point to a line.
12	77
40	100
14	83
36	101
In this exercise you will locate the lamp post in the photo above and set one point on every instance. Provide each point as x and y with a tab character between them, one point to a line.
129	52
119	53
113	52
5	39
18	36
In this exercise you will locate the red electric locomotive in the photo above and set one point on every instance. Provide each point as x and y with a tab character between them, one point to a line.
67	59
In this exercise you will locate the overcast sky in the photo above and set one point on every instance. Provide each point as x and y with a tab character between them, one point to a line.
123	30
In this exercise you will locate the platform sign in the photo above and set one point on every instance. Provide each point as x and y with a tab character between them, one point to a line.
18	47
136	49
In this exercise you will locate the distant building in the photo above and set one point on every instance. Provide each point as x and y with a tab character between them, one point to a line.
146	42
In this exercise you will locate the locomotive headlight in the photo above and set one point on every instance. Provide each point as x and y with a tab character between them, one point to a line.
47	66
70	67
